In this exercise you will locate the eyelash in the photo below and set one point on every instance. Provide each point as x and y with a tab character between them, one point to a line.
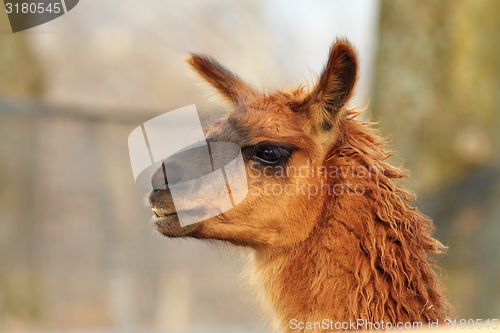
271	154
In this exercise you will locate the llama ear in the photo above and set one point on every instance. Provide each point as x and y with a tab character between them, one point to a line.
335	86
230	86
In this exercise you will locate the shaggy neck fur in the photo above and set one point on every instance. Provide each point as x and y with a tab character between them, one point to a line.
368	257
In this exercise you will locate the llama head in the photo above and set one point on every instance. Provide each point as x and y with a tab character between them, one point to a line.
285	137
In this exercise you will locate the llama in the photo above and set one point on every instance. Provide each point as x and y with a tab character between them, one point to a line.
340	243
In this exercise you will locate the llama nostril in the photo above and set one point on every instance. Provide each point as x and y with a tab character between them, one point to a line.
159	179
176	173
155	212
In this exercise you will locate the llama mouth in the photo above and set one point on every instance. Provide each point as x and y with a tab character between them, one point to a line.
167	223
159	213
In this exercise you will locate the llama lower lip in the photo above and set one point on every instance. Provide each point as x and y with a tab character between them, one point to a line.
164	218
169	226
161	223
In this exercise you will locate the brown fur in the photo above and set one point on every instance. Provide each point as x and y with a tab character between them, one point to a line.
333	255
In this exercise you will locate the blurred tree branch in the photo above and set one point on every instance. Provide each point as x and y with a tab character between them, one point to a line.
437	85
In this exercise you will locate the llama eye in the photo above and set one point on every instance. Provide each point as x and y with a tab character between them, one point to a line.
270	154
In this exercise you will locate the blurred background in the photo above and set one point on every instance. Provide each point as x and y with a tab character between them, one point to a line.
77	253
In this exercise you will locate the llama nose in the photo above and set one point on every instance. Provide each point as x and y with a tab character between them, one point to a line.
159	179
175	175
185	166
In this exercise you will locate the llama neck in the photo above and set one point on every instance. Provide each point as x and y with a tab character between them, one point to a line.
352	266
369	256
311	283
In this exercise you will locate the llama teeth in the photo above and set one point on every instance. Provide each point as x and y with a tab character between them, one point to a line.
160	213
155	212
